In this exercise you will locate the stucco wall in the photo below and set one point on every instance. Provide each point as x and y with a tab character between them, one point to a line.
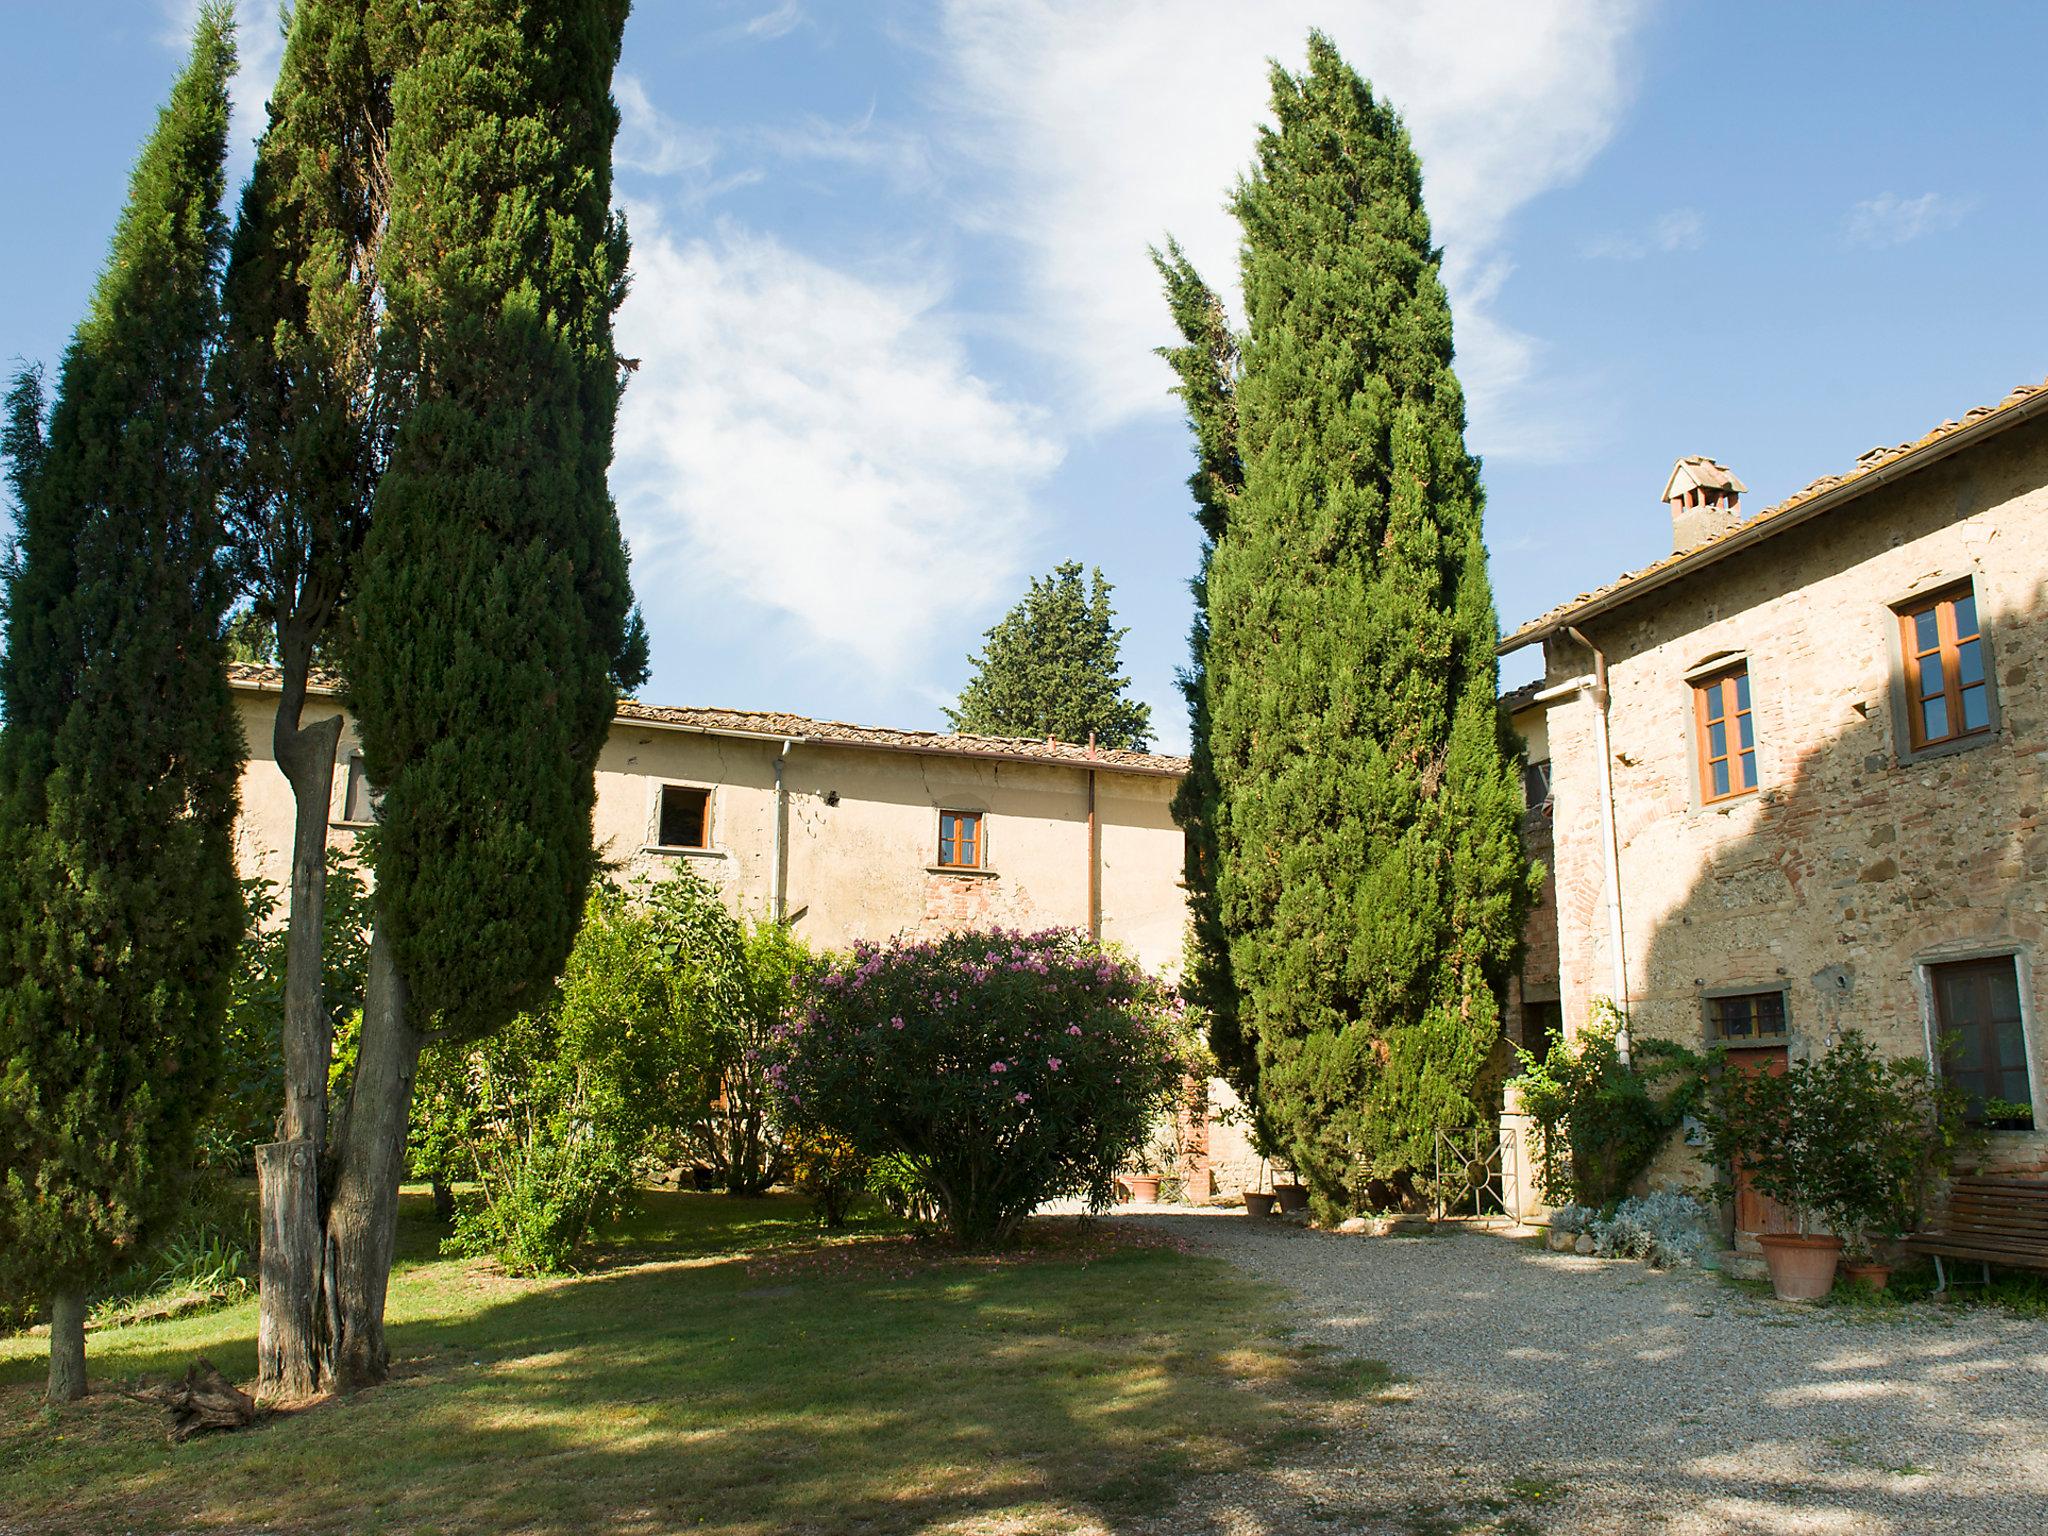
1852	868
857	868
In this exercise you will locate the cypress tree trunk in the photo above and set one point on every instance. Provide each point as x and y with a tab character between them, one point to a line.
67	1347
362	1218
287	1330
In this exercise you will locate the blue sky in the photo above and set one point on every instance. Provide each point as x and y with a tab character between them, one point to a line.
895	319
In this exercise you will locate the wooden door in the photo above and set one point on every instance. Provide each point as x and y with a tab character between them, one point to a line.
1756	1211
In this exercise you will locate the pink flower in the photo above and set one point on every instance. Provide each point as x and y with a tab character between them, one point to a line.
1053	1062
896	1023
999	1066
1073	1029
1023	1098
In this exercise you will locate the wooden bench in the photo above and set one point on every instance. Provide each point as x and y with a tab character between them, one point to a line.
1989	1221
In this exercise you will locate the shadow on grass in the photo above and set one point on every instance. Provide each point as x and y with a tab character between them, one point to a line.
725	1370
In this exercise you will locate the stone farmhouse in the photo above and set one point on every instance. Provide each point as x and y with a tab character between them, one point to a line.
1794	774
846	832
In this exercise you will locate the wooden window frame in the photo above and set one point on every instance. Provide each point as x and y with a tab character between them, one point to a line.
1948	645
353	775
1932	972
661	794
1711	686
1710	1007
976	842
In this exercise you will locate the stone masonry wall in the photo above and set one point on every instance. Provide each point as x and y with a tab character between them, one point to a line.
1854	866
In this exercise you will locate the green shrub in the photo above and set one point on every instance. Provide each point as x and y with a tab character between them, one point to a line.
1847	1137
1004	1068
831	1170
1599	1119
545	1178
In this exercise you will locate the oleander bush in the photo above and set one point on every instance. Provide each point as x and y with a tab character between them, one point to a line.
1003	1069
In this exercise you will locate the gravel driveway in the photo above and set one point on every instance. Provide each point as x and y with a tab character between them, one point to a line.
1551	1393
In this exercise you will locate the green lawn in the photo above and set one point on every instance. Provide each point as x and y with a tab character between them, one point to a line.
721	1369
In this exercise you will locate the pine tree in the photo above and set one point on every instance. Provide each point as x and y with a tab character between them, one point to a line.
1369	882
120	755
295	383
492	626
1050	669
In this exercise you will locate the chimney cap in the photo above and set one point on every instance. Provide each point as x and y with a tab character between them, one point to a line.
1698	472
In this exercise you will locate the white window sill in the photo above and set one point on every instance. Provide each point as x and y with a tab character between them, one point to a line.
688	853
352	826
971	872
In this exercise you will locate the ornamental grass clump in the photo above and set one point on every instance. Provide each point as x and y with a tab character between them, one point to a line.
1002	1069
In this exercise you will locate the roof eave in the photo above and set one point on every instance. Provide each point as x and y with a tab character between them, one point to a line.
1747	535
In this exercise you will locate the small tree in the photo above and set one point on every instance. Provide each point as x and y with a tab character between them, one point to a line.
1005	1069
120	753
1051	668
1847	1138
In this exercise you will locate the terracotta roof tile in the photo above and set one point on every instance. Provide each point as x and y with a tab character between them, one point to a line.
765	723
1750	528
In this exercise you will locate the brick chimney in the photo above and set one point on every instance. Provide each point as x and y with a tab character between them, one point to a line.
1705	500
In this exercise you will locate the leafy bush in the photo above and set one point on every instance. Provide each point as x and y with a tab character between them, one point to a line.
1599	1119
729	987
1665	1229
544	1180
1847	1137
1005	1069
831	1170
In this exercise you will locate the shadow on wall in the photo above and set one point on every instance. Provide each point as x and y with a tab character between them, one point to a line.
1829	898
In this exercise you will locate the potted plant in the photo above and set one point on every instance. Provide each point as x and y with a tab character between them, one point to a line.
1846	1140
1293	1196
1259	1131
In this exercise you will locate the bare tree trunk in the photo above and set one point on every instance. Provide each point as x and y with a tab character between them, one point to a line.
287	1329
67	1346
362	1215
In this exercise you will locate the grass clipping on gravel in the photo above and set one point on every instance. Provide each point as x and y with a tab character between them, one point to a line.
722	1369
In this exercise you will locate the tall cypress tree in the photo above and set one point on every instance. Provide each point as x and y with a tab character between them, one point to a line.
492	626
1206	364
1369	881
120	753
295	381
1052	668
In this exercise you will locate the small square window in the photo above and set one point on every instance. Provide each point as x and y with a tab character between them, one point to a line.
685	817
1727	735
1948	690
960	839
1748	1019
1536	784
361	802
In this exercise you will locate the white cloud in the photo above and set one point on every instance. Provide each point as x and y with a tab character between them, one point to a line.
1111	126
651	141
1682	229
778	22
815	441
1889	219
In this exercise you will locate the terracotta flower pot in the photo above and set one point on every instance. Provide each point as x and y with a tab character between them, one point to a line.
1258	1202
1292	1197
1871	1277
1144	1188
1802	1268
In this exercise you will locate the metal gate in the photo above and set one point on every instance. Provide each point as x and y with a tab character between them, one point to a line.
1475	1175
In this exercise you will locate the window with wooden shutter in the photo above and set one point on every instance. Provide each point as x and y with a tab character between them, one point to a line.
685	820
1726	732
1983	1035
1948	687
